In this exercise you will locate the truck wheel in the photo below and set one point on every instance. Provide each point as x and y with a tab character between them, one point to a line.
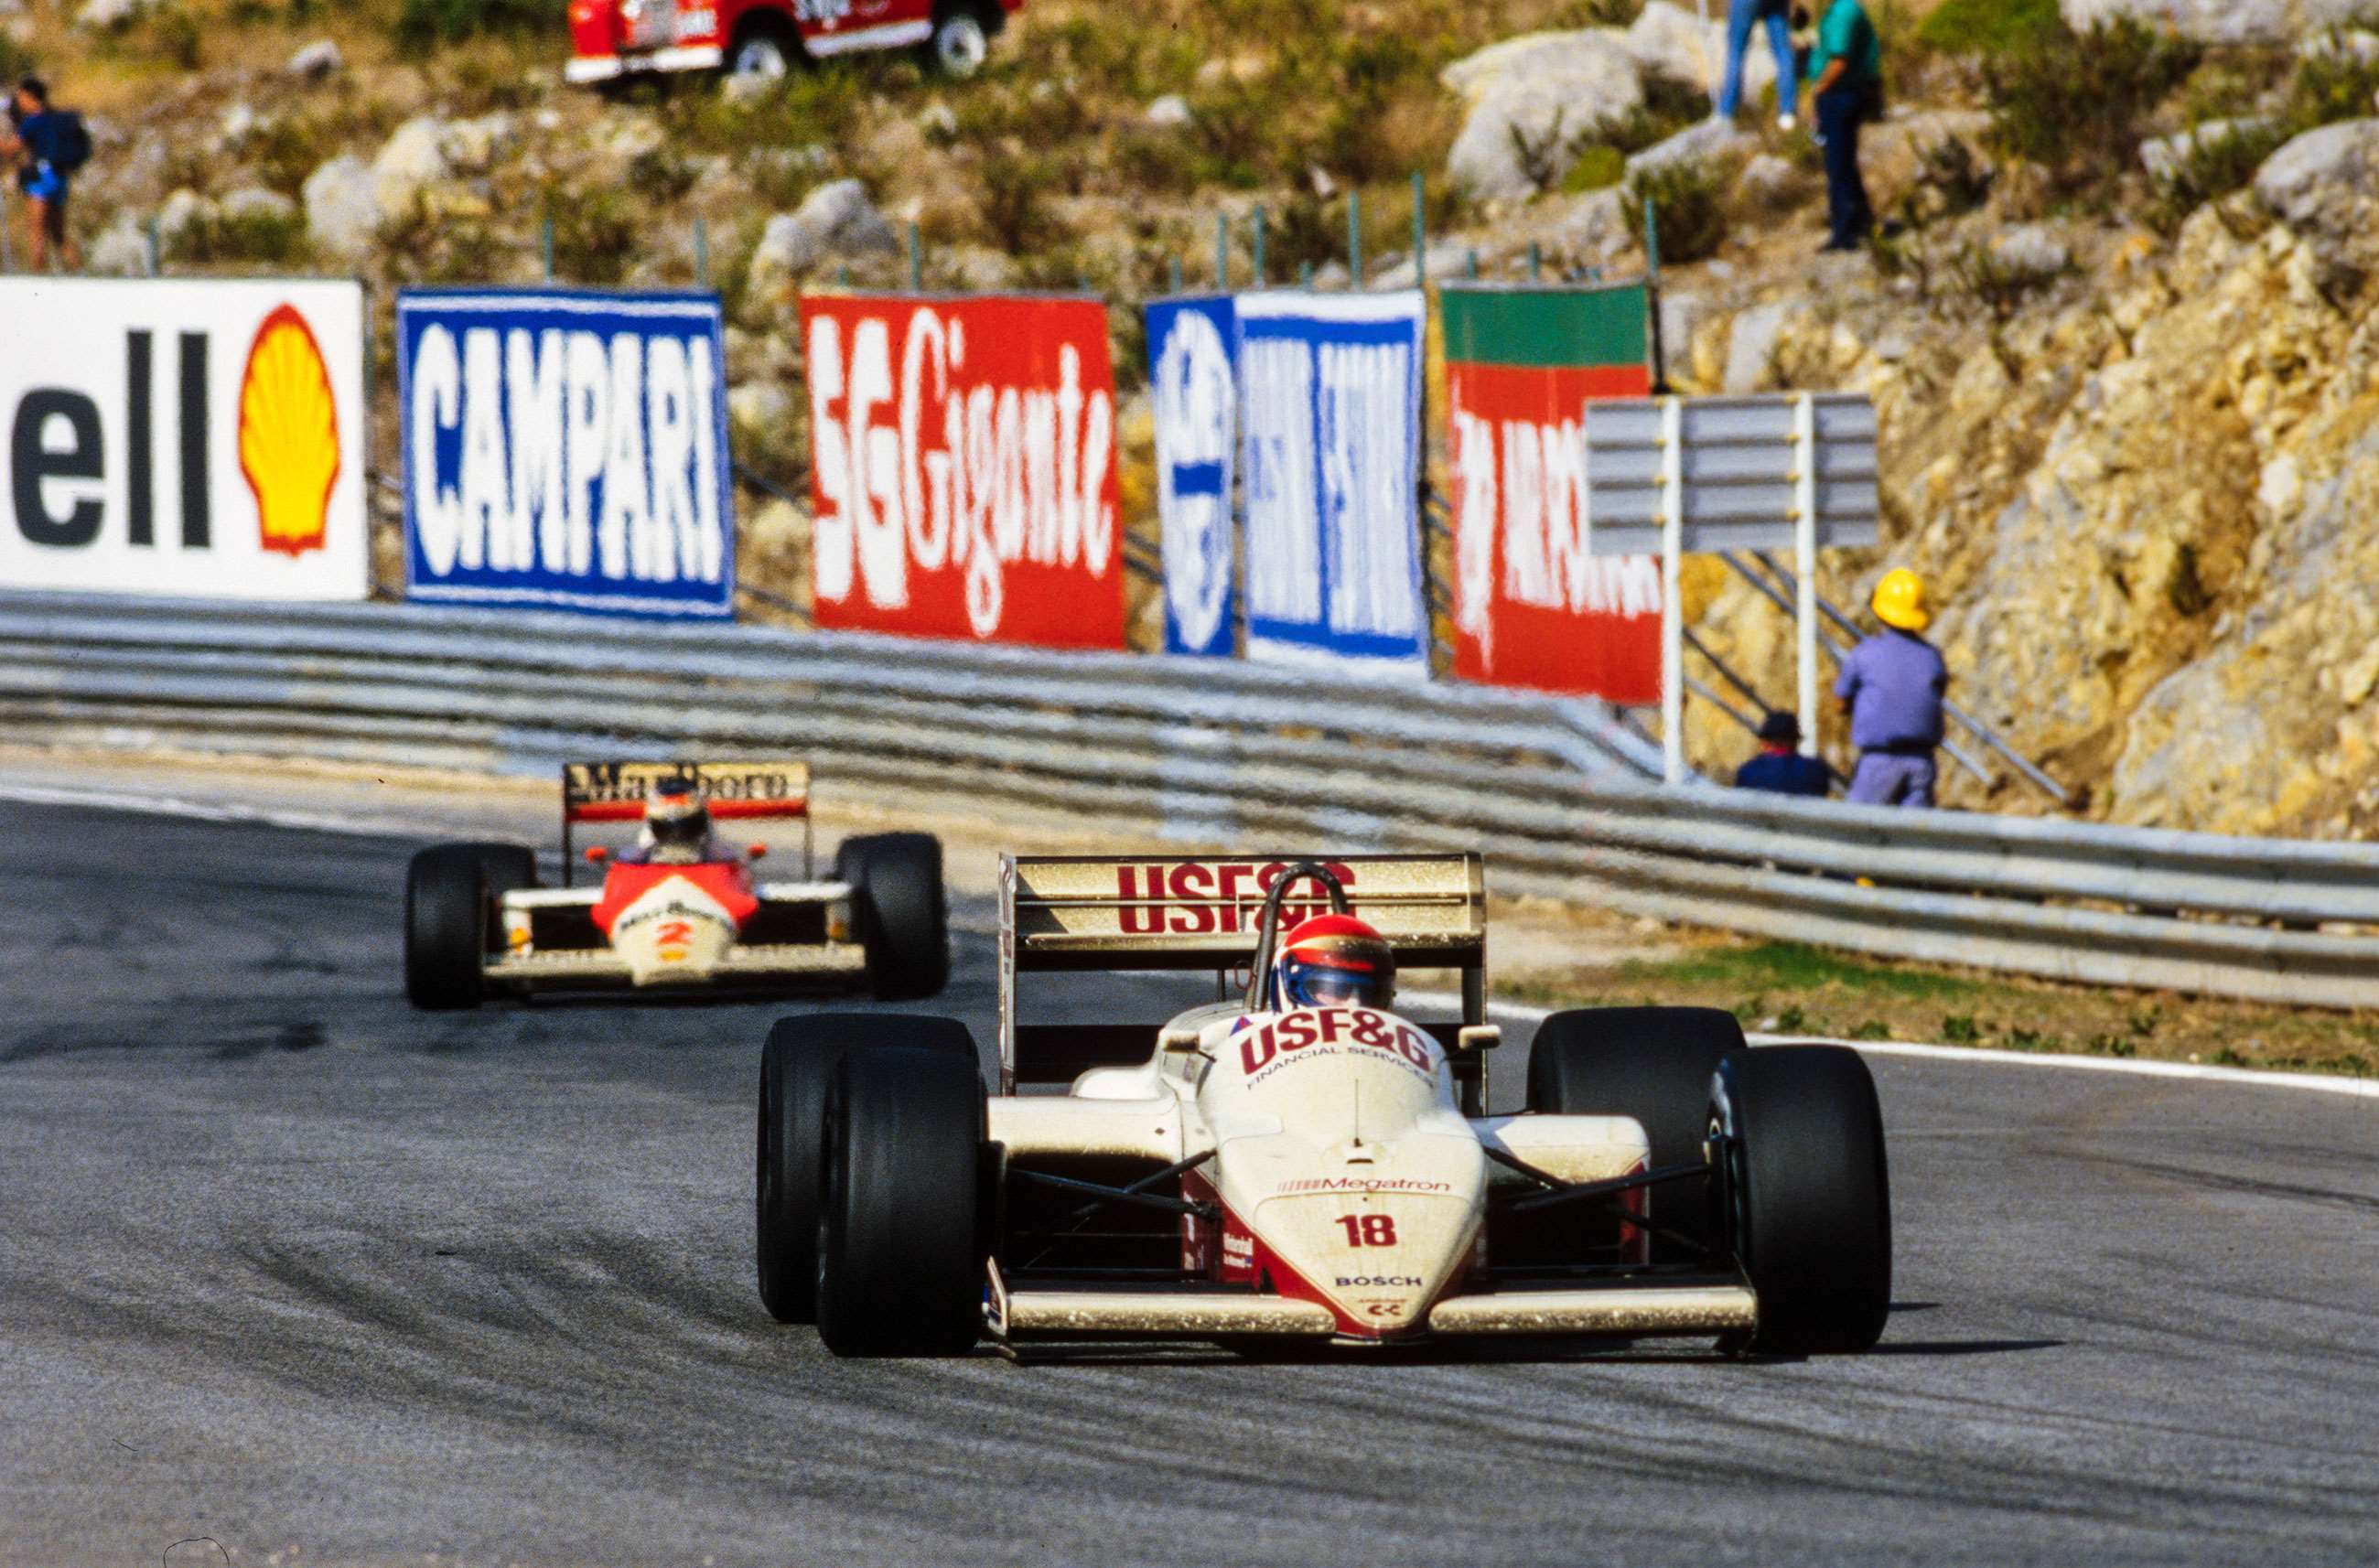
448	925
902	913
795	1069
1653	1064
961	42
901	1250
1809	1195
764	50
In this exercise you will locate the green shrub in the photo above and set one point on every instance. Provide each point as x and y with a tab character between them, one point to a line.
1999	285
1013	187
594	236
1988	27
2076	104
2330	85
1688	204
284	150
423	25
661	175
1599	167
256	239
2209	168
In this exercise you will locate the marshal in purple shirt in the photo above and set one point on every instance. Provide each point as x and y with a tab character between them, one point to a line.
1893	682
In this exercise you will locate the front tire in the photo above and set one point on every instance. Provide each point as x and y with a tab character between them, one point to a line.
900	1248
765	51
901	910
1654	1064
961	42
448	894
796	1066
1810	1195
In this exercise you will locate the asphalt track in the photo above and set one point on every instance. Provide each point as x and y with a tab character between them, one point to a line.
286	1266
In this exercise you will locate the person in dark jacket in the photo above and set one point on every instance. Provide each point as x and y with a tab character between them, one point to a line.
1845	92
1891	685
40	141
1779	768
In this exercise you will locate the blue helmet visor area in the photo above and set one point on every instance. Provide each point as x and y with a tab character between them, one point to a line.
1313	985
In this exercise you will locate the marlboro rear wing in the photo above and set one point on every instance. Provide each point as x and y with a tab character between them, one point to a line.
1080	912
616	791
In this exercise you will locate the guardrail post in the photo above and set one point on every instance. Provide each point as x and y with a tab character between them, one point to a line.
1420	230
916	260
1355	238
701	253
1804	556
1673	613
545	245
1259	241
156	249
1222	253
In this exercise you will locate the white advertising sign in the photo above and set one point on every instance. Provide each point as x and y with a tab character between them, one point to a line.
199	437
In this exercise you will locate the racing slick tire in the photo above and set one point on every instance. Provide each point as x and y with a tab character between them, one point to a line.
447	890
901	1244
1654	1064
901	911
795	1068
1809	1194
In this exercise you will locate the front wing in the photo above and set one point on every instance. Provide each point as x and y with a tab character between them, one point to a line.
743	965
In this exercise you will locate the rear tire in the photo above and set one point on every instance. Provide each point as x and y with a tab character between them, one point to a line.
449	919
901	911
1810	1195
1654	1064
764	49
795	1069
900	1248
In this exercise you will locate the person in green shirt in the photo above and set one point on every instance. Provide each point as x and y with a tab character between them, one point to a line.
1845	90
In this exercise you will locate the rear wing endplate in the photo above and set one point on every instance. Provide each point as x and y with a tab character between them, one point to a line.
748	789
1080	913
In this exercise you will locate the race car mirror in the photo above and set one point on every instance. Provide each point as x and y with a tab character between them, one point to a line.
758	851
1178	1042
596	854
1479	1037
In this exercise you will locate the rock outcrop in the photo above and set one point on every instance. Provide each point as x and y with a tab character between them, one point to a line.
1529	98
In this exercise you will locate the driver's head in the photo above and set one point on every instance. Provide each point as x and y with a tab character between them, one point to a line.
1334	960
677	820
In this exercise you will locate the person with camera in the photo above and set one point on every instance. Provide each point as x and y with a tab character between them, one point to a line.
50	146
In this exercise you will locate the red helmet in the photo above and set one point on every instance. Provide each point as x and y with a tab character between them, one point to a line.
1333	961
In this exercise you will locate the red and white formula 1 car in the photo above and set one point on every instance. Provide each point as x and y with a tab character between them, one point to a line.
1243	1171
477	922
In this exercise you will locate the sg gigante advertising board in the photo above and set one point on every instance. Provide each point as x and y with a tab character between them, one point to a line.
566	449
200	438
963	468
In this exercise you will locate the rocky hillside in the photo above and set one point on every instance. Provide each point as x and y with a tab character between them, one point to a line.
2122	331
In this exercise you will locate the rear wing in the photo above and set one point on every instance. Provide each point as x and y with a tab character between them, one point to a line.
1080	913
741	790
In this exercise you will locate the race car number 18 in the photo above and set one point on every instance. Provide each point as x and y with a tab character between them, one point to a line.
1370	1230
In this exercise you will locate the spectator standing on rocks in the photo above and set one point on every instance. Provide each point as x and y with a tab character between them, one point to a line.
1845	90
1742	17
49	146
1891	686
1779	768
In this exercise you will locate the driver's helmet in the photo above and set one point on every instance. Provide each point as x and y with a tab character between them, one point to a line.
677	822
1333	961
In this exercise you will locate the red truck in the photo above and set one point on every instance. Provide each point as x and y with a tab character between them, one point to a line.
614	39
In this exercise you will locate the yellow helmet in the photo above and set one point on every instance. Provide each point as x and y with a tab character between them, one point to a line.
1899	602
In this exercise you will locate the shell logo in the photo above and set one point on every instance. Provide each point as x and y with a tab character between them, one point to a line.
289	433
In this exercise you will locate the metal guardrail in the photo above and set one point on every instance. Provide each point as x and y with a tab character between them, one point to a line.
1552	791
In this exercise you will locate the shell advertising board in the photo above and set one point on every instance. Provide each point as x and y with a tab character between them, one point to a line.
197	438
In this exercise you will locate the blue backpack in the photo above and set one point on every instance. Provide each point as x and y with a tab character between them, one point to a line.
70	144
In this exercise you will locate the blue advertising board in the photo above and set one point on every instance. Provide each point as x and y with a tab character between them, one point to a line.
1330	406
1193	379
566	450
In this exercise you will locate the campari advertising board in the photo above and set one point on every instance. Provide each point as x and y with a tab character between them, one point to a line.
566	449
963	468
1533	605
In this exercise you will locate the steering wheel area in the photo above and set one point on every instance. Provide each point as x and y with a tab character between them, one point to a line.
1268	928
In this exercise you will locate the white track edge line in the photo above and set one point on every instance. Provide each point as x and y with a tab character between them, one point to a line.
2318	1083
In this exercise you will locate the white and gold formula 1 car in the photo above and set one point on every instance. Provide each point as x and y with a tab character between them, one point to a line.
1245	1171
478	923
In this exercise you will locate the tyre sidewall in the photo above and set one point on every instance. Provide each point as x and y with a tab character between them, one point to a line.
901	909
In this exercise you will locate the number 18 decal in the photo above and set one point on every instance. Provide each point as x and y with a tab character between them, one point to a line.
1370	1230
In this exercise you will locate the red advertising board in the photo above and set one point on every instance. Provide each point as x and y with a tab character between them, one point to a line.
963	469
1532	607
